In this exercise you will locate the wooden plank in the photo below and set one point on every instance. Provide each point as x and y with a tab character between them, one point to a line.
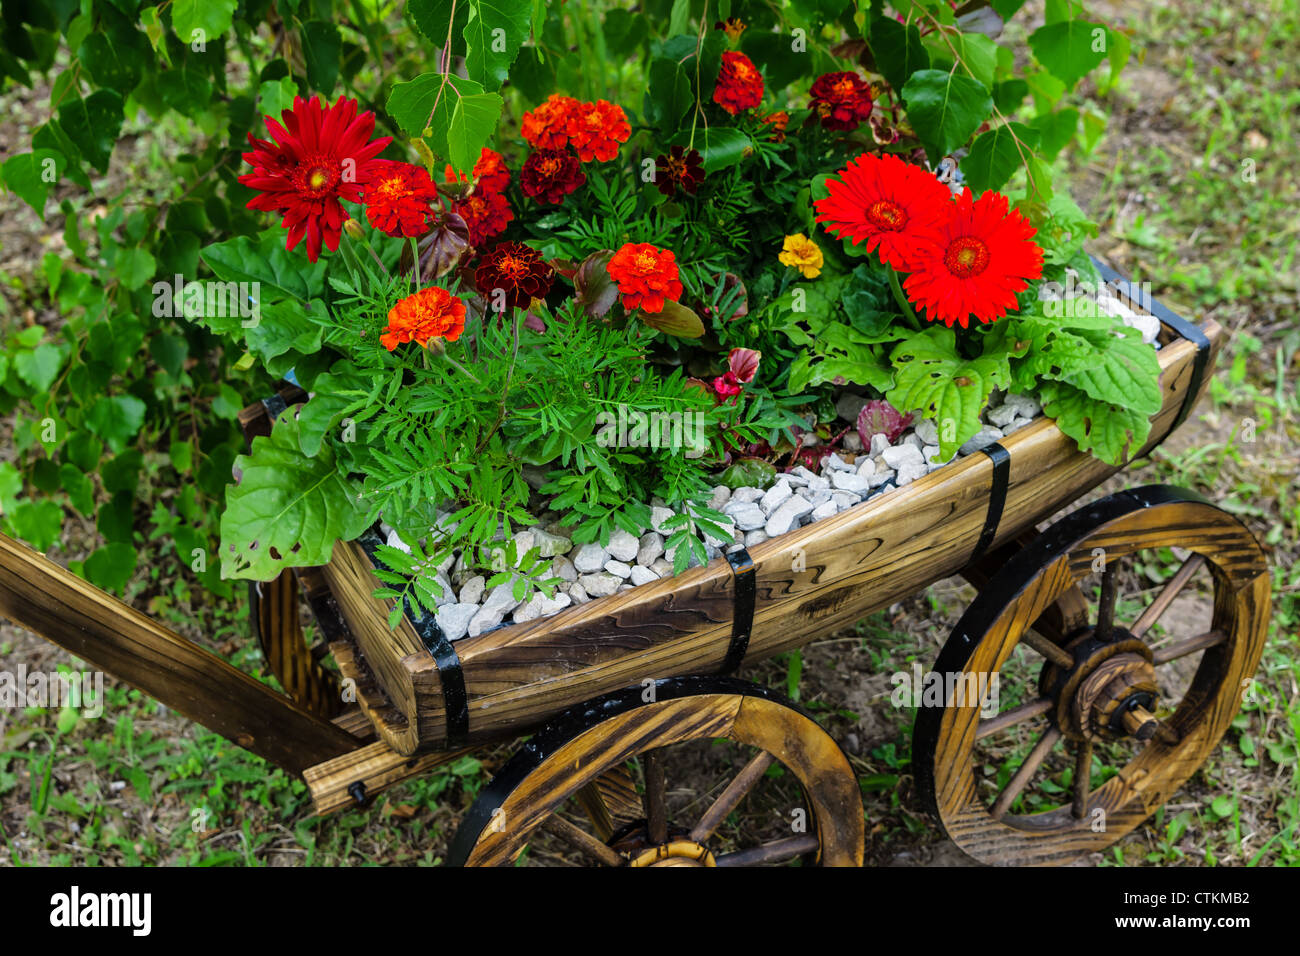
37	594
810	581
377	767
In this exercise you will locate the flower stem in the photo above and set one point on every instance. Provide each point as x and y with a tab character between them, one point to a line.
902	301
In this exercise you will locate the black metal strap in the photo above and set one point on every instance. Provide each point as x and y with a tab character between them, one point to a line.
451	674
1181	327
274	405
997	497
742	618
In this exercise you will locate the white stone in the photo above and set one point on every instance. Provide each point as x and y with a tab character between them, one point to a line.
471	592
844	500
849	406
642	575
835	463
395	541
662	567
590	558
881	477
985	436
446	594
911	438
563	568
502	598
486	619
539	605
849	481
658	515
549	545
928	431
795	479
453	619
622	546
711	542
879	442
788	515
757	536
578	593
852	442
618	569
747	516
721	495
900	455
931	454
866	467
1026	406
1015	425
741	495
1001	415
524	542
909	472
824	510
816	498
775	497
649	548
599	585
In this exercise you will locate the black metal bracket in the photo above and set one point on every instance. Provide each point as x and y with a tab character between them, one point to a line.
997	498
451	674
742	619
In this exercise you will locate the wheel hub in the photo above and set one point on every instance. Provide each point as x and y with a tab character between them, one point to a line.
1108	693
633	842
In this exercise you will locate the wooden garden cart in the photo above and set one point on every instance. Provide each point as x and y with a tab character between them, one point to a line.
612	691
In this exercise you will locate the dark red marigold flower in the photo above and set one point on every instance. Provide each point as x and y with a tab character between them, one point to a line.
596	130
398	198
547	126
896	207
779	121
842	100
518	271
550	175
645	275
489	174
486	215
984	259
679	168
740	85
317	156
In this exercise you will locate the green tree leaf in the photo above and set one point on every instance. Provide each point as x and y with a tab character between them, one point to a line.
473	121
1107	431
40	366
1070	49
276	96
30	176
494	33
202	20
111	566
93	124
264	259
719	146
945	109
321	46
287	510
134	266
116	419
39	523
898	50
936	380
80	489
994	156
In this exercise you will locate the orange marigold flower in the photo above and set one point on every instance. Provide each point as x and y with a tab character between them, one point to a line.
740	85
842	100
596	130
490	174
779	121
486	215
984	259
733	27
398	197
645	275
547	126
431	313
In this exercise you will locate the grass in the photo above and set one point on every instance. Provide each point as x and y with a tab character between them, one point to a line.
1178	204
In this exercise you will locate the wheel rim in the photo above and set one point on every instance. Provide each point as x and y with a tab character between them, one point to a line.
1098	683
579	761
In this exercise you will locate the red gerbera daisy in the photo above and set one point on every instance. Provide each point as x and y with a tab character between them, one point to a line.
984	259
842	100
317	156
397	198
516	270
895	206
596	130
486	215
740	85
550	175
646	275
547	126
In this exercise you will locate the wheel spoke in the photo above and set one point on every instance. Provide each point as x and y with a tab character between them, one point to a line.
1026	772
1167	595
1174	651
1057	655
778	851
581	840
1012	717
730	797
1082	778
593	805
656	813
1106	604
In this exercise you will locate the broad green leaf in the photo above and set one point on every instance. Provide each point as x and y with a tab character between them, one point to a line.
11	486
112	60
263	258
276	96
1070	49
1125	371
1111	432
431	18
40	366
134	266
995	156
675	319
773	53
933	378
979	55
493	36
111	567
31	175
334	394
80	489
38	522
116	419
321	47
202	21
748	473
945	109
287	510
668	94
719	146
898	50
93	125
1055	131
472	123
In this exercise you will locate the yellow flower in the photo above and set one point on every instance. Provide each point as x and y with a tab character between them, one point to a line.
802	253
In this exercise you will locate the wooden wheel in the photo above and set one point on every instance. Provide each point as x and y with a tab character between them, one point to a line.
1099	723
607	765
